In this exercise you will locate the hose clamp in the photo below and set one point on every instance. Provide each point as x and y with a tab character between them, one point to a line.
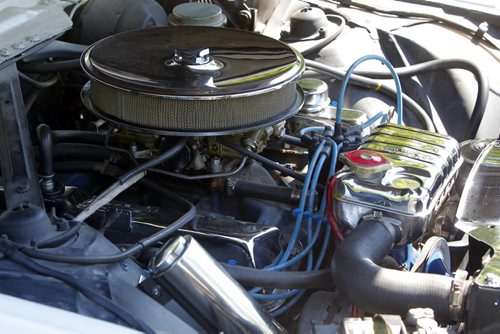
459	288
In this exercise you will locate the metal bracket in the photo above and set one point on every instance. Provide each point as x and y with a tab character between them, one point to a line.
20	179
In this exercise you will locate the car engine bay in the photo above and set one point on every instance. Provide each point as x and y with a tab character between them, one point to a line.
238	166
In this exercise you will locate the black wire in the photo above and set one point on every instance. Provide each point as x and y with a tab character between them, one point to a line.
371	84
67	138
81	151
128	152
37	83
292	140
445	64
15	255
438	18
327	40
46	157
263	160
133	250
318	279
61	237
78	136
30	100
56	66
232	172
86	166
57	49
170	153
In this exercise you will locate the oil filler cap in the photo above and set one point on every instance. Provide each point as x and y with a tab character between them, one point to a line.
366	164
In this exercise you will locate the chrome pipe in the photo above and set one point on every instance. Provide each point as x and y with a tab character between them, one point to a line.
212	297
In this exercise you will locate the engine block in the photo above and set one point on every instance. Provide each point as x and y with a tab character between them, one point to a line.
401	172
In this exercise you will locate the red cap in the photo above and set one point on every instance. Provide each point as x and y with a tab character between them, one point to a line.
365	163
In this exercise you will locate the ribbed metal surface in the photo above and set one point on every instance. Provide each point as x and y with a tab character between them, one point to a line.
424	166
170	114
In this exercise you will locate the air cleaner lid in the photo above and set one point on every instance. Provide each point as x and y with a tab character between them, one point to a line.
192	62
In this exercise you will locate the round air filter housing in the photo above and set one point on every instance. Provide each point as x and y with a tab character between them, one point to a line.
192	80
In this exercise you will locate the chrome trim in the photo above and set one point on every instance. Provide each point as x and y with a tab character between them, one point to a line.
205	289
429	161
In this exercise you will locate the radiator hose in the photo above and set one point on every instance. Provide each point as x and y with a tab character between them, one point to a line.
362	281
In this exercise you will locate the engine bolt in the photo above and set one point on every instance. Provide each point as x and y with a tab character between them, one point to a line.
215	165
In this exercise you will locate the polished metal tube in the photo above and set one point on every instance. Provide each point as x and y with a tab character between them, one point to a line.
212	297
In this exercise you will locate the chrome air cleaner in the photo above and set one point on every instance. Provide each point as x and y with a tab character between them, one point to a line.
192	80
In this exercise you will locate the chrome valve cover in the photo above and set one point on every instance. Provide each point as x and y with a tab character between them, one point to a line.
422	168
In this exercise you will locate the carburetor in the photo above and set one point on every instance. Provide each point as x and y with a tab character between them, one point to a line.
399	172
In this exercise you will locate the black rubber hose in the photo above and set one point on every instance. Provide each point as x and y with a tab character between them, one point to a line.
78	136
371	84
386	291
56	66
16	256
160	158
295	141
30	100
60	238
267	192
46	158
81	151
131	251
57	49
269	163
319	279
37	83
446	64
133	175
87	166
327	40
442	19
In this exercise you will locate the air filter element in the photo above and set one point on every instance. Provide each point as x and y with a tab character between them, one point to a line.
192	80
